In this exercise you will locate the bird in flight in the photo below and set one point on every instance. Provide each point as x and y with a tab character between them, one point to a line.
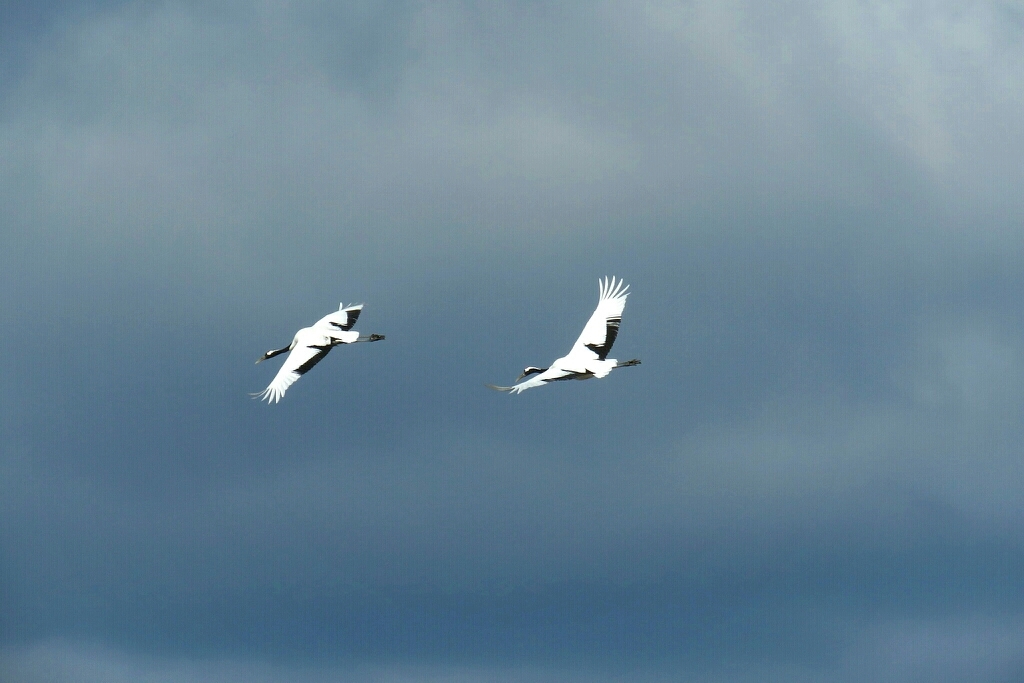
589	355
309	347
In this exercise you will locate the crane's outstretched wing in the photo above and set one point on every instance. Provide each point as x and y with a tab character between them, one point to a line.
549	375
342	319
518	388
599	334
298	363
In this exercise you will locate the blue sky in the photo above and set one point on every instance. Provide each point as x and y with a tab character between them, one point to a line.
814	475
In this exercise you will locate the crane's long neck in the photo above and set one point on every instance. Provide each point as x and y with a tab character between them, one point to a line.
277	352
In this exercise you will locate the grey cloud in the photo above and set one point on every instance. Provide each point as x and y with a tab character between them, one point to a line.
939	649
469	132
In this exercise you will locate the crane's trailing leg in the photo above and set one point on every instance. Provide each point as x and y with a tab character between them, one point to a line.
628	363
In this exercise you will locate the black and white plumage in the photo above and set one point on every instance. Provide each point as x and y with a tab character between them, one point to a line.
589	355
309	347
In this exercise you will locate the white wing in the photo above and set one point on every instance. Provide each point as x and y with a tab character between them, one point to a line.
304	356
599	334
342	319
550	375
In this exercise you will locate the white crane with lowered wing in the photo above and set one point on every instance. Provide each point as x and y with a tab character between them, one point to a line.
310	345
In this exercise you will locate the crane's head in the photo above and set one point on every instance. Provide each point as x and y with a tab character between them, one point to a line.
530	370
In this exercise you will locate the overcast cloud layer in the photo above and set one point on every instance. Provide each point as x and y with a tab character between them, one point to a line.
815	475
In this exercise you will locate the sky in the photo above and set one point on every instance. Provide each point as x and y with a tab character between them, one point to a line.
815	474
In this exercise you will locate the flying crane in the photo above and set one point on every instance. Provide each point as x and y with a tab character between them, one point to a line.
589	355
309	347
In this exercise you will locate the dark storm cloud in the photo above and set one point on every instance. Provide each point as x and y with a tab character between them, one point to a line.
812	476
